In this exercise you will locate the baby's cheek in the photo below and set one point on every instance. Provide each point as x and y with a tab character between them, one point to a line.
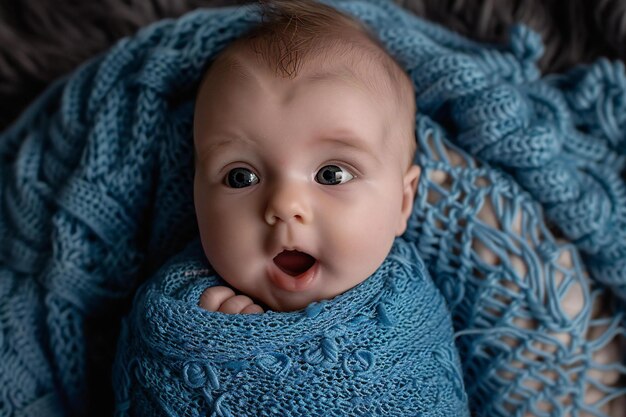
223	241
362	241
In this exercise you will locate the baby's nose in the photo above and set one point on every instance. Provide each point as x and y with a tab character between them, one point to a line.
288	202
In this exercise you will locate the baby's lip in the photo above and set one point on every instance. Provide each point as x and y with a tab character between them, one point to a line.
294	262
293	270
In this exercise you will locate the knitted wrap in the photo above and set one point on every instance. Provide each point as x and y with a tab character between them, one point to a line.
385	347
96	193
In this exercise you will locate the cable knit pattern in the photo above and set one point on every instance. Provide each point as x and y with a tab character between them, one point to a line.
563	139
384	347
96	193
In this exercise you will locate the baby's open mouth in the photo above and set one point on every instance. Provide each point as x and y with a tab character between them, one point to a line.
294	262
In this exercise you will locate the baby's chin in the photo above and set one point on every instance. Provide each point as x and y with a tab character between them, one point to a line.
287	306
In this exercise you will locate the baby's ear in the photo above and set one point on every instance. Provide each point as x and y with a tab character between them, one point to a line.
409	189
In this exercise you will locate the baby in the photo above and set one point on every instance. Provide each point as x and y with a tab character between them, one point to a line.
304	140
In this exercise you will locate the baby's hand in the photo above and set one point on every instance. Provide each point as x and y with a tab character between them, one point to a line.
224	300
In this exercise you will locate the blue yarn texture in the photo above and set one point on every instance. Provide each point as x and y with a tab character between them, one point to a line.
385	347
96	194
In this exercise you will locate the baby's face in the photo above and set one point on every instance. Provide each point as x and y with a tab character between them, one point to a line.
299	190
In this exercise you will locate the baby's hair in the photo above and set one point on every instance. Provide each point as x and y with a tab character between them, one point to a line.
293	30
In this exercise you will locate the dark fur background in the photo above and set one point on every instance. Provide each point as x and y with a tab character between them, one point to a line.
41	40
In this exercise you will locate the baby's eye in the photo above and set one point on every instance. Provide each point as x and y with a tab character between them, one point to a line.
240	178
333	175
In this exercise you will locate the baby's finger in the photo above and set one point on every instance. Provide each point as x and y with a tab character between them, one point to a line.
252	309
213	297
235	304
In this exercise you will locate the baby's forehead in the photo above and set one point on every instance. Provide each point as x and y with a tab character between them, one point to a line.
360	69
364	67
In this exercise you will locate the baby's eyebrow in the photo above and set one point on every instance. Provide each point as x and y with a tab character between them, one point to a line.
352	142
341	138
224	141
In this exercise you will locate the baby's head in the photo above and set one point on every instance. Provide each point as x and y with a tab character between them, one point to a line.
304	135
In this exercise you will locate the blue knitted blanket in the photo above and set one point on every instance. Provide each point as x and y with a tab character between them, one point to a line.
96	194
384	347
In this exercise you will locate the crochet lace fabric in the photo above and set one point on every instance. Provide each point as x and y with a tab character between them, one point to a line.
384	347
96	192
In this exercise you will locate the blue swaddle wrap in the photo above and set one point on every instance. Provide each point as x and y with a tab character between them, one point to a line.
96	193
384	347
